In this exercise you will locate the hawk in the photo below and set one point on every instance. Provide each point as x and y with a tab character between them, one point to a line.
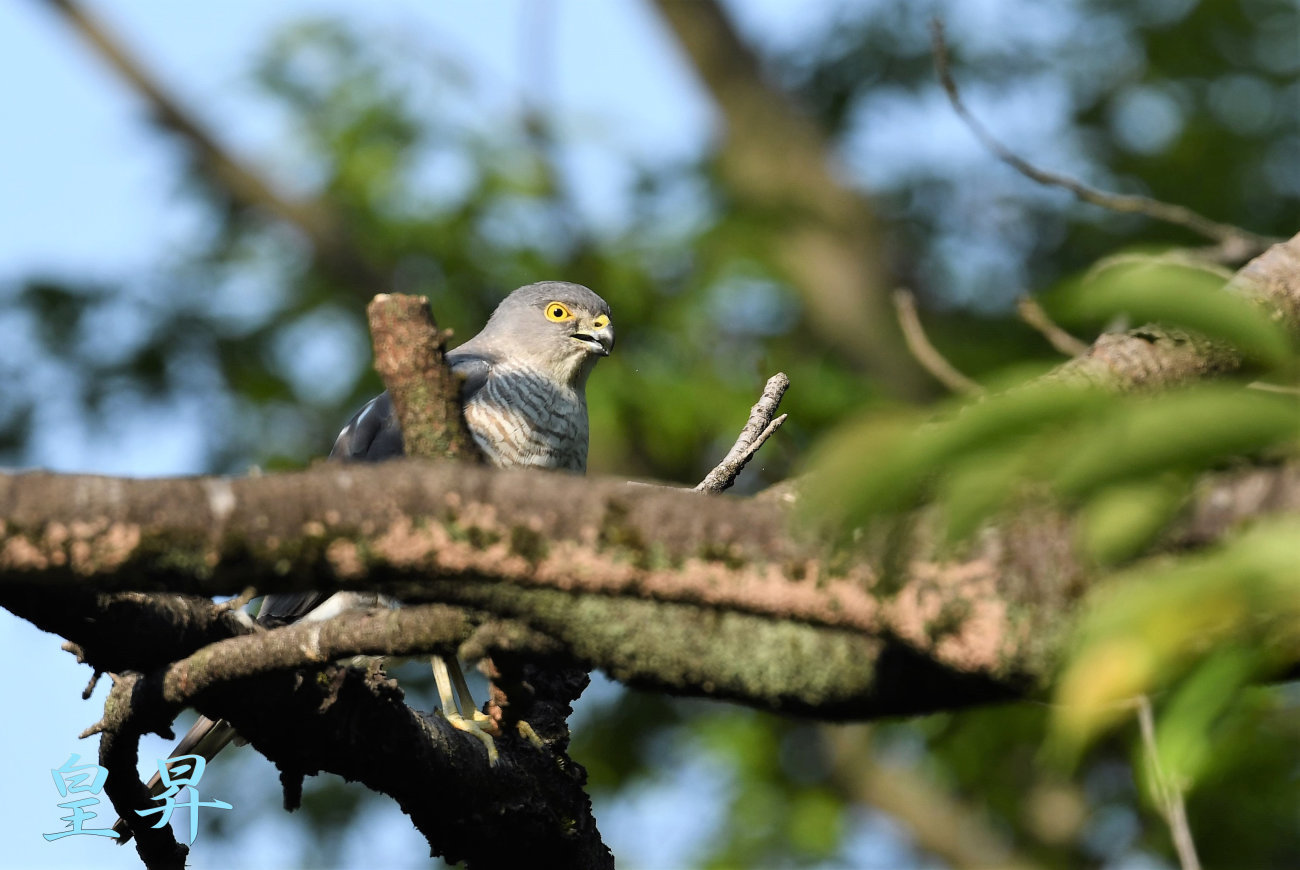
524	394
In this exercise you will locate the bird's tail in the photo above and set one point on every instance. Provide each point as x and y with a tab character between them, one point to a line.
206	738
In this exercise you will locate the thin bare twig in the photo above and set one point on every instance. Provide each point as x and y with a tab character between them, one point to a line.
1233	244
1281	389
1033	314
90	686
1167	793
238	602
757	430
76	650
925	352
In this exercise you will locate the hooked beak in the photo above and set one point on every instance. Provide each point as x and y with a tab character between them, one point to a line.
597	341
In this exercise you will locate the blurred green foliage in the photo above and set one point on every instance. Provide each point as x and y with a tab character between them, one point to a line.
1196	629
1174	294
1080	445
262	341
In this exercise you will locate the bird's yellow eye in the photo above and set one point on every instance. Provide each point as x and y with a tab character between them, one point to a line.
600	322
558	311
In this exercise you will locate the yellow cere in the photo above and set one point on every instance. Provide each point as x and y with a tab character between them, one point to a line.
558	311
600	322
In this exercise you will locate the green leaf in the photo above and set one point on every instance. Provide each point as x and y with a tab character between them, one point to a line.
1181	430
866	468
1174	294
1185	735
978	487
887	464
1152	623
1118	522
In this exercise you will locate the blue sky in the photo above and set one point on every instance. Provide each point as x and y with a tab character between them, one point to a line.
84	150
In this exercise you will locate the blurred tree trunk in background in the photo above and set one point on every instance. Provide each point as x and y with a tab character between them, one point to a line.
779	167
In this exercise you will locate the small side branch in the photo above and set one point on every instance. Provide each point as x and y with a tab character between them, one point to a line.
762	423
925	352
1233	244
409	631
1033	314
426	395
129	713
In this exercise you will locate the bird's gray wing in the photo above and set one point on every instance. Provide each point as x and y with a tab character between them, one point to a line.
372	435
472	367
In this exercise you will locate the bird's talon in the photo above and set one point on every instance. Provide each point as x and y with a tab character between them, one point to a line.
487	723
477	728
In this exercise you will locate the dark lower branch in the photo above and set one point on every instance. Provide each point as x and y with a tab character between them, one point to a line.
307	716
354	723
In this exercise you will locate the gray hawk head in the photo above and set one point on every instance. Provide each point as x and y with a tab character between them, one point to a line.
553	327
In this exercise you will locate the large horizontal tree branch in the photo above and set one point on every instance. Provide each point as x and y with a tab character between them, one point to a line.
660	588
687	593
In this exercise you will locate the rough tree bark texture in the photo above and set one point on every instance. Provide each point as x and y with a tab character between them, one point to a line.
426	395
1152	357
684	592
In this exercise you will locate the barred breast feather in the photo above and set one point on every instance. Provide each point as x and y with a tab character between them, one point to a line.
518	417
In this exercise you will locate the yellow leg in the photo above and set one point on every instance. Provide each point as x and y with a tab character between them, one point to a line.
448	676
